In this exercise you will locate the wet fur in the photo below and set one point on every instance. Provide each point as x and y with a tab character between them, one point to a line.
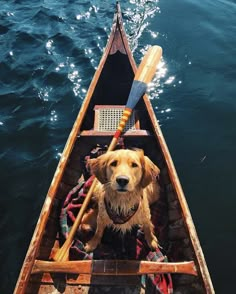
142	188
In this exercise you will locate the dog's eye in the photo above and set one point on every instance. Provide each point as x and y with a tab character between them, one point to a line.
114	163
134	164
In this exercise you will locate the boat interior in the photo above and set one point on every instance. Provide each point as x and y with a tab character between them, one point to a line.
174	238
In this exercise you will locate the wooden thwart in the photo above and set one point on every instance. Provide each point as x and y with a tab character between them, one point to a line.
137	133
114	267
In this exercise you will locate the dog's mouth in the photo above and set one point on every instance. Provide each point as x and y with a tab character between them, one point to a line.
122	190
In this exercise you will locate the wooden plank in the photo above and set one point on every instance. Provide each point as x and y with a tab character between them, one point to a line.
114	267
86	279
136	133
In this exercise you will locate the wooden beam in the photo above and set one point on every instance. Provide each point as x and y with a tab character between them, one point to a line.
114	267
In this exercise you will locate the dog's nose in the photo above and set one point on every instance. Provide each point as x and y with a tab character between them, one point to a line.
122	181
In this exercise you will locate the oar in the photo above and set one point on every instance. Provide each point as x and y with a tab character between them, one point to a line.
142	77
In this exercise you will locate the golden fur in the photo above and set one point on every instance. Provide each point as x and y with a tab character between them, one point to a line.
126	178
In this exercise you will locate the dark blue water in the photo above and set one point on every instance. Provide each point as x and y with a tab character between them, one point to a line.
49	51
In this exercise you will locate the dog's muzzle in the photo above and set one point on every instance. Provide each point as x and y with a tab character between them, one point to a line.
122	181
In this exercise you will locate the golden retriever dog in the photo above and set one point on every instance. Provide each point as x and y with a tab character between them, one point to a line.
127	186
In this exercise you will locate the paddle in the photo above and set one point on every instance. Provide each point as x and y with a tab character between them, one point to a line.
142	77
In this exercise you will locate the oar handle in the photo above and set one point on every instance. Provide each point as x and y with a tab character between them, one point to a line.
123	121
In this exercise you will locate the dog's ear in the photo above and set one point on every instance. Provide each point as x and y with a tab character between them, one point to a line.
98	167
150	171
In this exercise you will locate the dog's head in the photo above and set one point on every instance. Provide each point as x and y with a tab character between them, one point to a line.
124	170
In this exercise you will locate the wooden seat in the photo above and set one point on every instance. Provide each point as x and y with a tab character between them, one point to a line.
106	120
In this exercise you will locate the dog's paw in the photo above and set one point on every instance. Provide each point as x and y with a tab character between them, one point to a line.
86	228
90	246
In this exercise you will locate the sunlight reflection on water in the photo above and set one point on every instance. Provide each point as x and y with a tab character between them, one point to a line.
53	116
137	15
137	23
139	19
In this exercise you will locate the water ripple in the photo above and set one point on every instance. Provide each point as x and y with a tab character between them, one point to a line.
137	18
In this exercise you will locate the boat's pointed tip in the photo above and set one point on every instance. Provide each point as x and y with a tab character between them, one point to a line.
118	10
118	6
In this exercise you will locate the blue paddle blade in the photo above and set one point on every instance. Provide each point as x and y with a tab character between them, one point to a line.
137	90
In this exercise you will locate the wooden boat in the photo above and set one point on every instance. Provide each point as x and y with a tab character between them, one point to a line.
109	89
